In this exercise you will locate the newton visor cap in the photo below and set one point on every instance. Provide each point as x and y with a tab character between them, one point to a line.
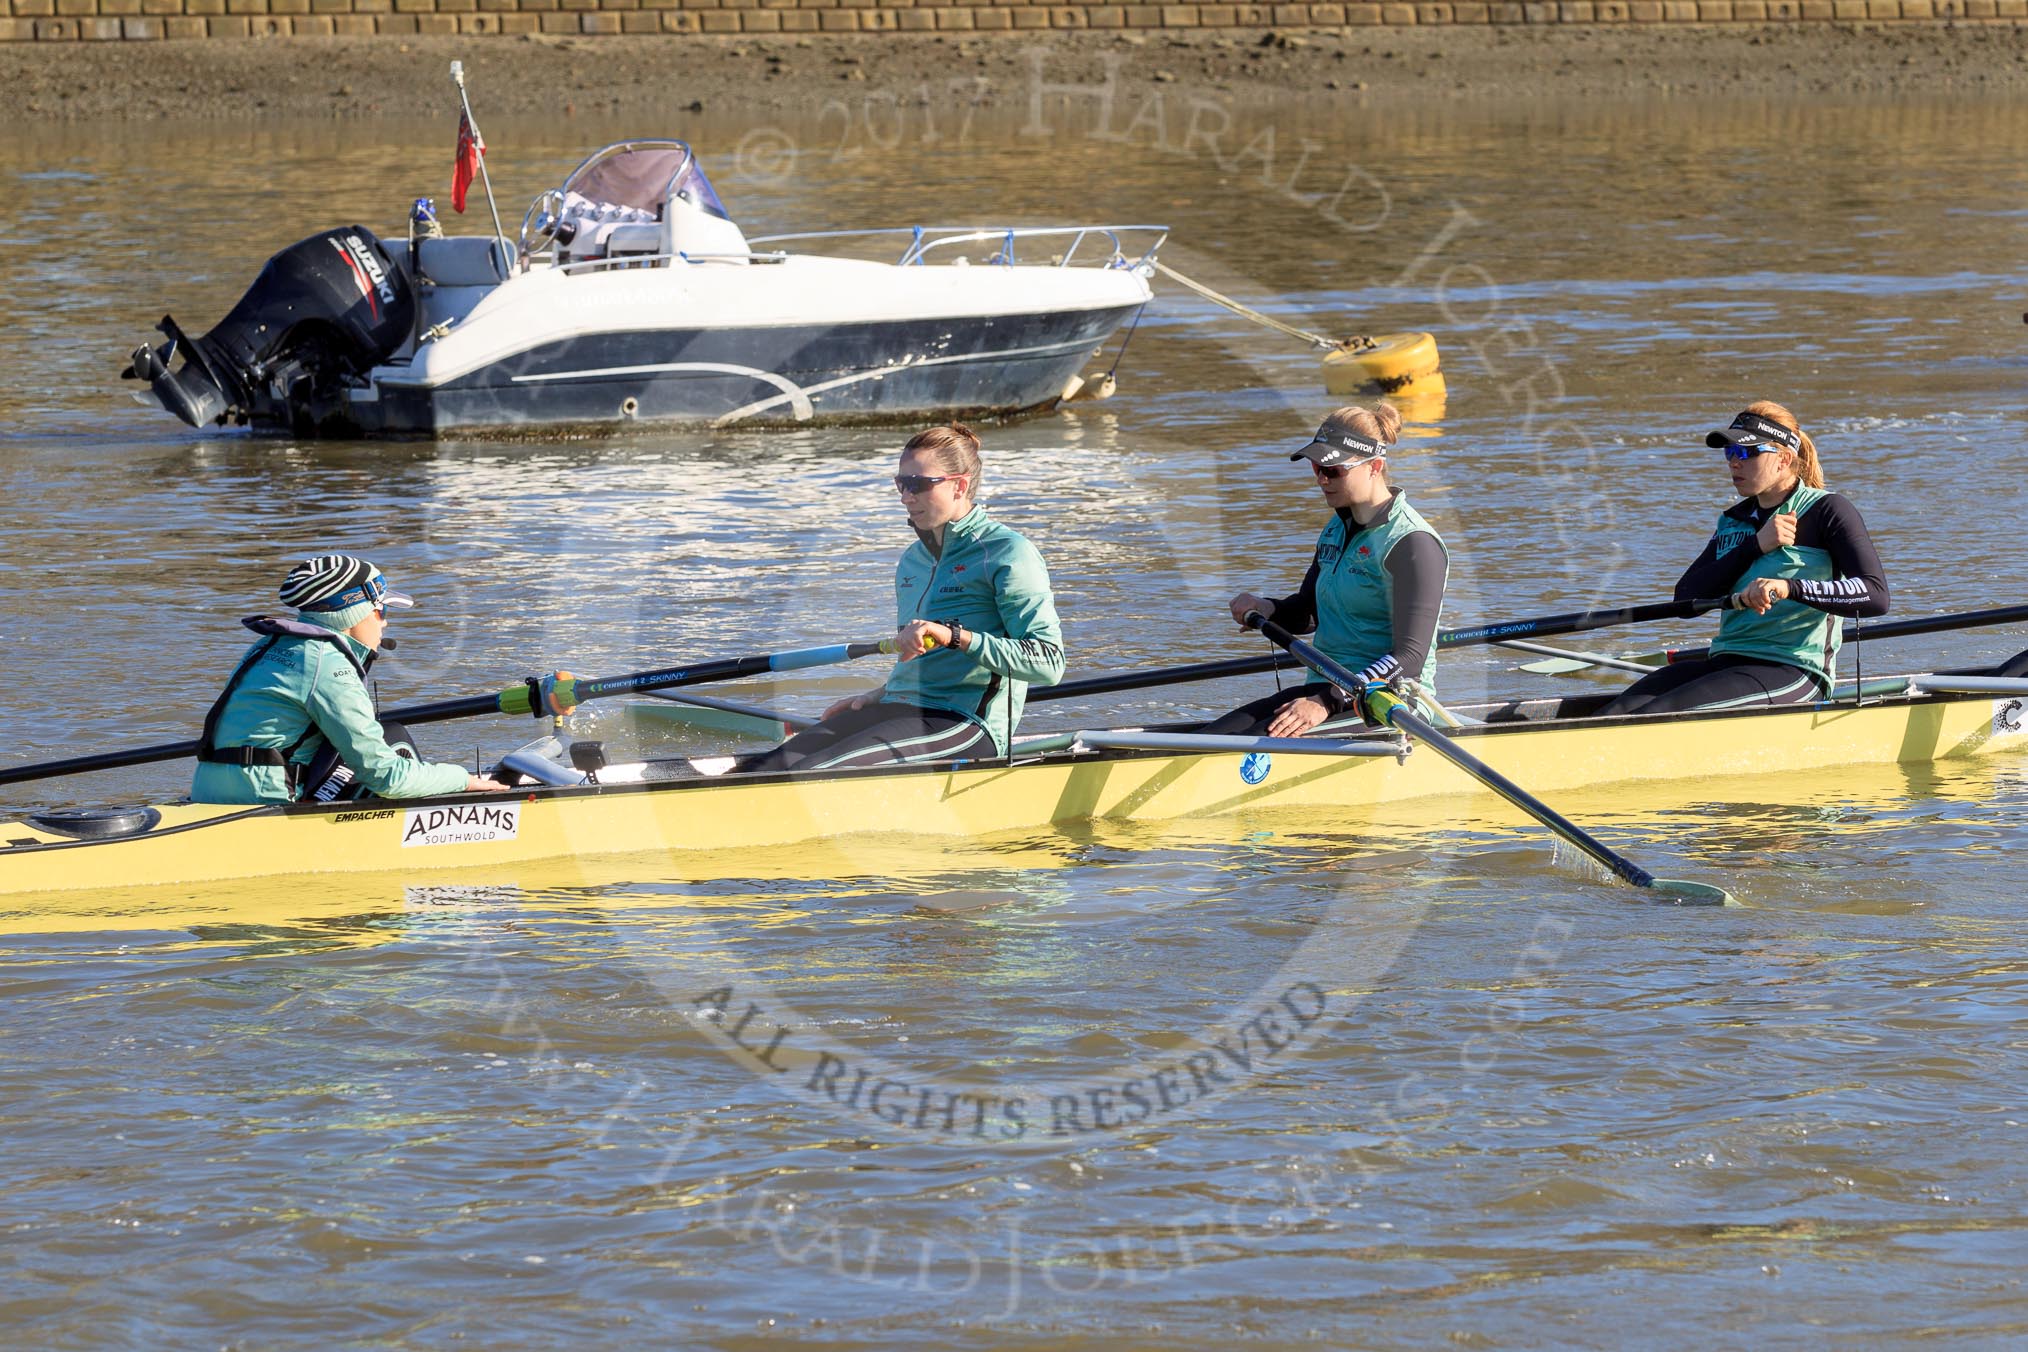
1332	447
1750	429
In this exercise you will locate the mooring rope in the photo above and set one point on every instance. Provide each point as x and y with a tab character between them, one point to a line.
1264	320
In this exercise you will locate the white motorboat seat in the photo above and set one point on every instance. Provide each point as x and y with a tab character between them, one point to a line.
617	240
463	260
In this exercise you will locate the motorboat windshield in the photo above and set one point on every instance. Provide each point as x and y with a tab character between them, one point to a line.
692	186
644	175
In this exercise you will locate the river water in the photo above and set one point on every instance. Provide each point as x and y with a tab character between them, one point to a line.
496	1113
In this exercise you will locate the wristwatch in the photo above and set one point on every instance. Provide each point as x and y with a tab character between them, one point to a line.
961	638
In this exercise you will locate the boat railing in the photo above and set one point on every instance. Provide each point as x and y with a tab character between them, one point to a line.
658	260
924	240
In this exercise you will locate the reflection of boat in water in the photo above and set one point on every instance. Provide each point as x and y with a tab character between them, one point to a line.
634	297
358	908
666	808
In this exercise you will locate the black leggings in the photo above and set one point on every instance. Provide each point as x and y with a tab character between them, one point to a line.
878	734
1728	682
1251	720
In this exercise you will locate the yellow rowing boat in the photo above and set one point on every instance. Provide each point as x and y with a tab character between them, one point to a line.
665	808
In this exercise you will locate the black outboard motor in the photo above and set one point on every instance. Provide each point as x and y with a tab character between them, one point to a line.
321	314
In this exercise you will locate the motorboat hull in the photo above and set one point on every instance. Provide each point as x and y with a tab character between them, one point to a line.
833	371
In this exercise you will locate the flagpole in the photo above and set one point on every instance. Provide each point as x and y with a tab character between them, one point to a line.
458	75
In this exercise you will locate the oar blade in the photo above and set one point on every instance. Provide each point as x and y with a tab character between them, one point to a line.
1680	893
1556	666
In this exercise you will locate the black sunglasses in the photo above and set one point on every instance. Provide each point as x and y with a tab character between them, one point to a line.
1335	471
913	484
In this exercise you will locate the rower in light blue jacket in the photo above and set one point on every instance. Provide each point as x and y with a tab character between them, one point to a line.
302	688
976	626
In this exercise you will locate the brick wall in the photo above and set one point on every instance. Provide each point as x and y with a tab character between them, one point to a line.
115	20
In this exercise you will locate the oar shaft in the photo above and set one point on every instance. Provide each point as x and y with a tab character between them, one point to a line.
1545	626
1575	622
1142	680
1928	624
1420	729
105	760
1571	622
1570	655
1407	720
579	690
513	700
726	669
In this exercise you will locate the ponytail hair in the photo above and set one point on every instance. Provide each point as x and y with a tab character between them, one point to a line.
1808	469
954	449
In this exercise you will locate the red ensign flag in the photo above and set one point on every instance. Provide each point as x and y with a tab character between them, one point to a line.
470	148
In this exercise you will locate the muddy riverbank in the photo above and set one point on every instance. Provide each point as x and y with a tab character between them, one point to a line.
1366	68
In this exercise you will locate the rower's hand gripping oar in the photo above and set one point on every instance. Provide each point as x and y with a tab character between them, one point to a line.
540	696
1384	704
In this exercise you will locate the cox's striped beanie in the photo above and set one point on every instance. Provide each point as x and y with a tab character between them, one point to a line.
338	590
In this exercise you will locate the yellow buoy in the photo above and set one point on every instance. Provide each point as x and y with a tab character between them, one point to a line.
1403	364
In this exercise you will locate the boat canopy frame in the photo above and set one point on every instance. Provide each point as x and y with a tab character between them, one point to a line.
629	186
668	168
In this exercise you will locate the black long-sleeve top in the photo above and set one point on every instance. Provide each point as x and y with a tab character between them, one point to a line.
1857	587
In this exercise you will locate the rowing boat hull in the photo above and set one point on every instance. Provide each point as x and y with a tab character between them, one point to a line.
206	844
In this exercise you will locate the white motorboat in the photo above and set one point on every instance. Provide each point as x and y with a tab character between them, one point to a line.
631	296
